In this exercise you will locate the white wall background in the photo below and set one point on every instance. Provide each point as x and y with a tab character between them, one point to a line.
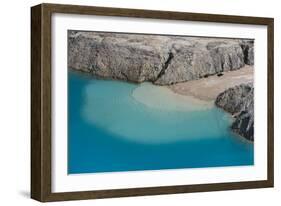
15	102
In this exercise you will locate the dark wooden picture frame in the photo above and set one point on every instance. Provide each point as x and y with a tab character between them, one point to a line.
41	117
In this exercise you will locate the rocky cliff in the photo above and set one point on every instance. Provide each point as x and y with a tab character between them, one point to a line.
162	60
239	101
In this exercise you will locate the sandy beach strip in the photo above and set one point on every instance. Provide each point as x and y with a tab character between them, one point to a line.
161	97
209	88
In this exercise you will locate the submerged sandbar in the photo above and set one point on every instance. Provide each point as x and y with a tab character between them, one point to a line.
162	98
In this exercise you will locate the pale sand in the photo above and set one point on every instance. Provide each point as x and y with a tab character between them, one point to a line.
161	97
209	88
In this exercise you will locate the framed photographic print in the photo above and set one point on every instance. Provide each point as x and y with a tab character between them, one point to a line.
130	102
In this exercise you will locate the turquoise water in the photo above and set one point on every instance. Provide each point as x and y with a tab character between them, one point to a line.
117	126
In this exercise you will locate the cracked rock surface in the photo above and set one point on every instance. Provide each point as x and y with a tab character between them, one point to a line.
239	101
163	60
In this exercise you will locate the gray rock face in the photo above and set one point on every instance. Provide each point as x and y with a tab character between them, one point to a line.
248	50
162	60
239	101
106	56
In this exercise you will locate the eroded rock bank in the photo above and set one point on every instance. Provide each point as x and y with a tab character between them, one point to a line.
163	60
239	101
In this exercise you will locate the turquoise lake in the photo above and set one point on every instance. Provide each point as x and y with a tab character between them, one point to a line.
118	126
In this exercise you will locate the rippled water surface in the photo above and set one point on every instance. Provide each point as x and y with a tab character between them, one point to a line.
118	126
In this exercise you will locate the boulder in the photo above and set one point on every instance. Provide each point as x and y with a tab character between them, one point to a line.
239	101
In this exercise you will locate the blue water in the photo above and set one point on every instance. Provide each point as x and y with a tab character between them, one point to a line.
109	130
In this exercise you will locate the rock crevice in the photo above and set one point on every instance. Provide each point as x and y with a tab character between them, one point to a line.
165	66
